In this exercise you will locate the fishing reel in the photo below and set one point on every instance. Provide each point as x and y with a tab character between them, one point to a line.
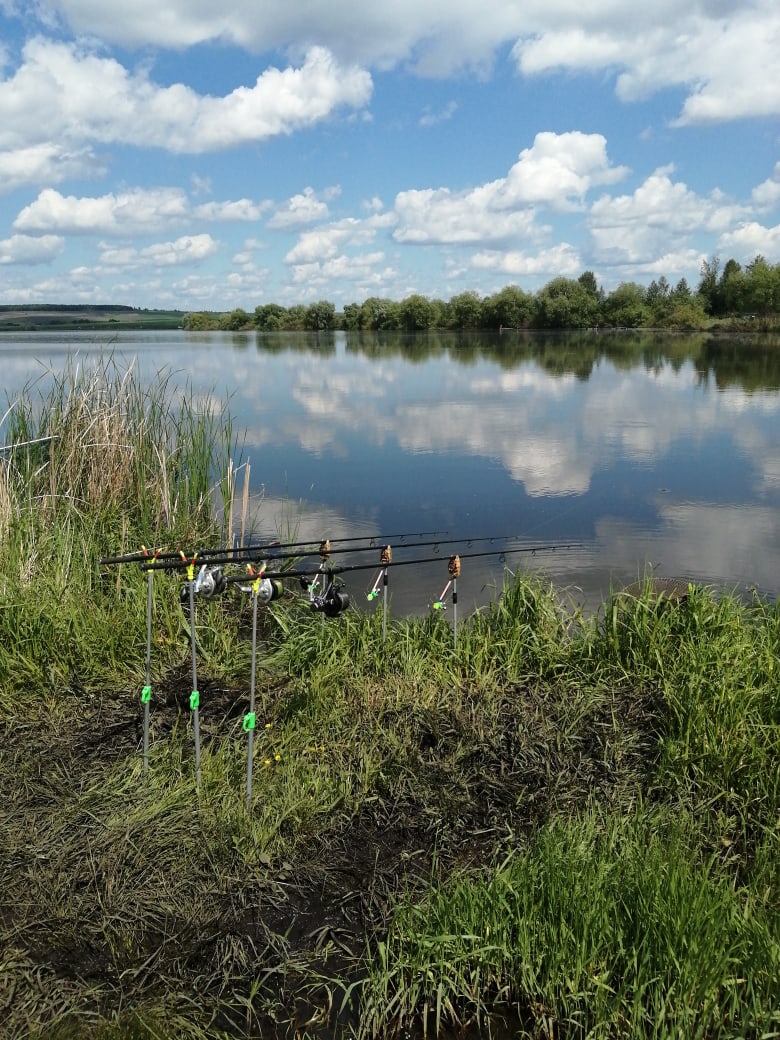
210	582
334	601
268	590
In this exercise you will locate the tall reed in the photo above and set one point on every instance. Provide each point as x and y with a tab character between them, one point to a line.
124	463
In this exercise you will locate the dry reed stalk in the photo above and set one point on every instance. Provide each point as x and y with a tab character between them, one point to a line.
97	451
6	501
245	503
227	507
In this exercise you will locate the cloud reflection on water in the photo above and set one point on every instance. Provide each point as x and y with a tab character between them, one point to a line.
358	440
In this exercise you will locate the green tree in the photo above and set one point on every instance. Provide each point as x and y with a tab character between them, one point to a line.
509	308
681	292
657	298
686	314
731	288
200	321
588	282
763	287
296	316
351	315
379	313
320	316
236	320
565	304
465	311
708	285
270	317
416	313
625	307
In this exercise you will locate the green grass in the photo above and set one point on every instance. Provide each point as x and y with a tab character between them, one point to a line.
615	927
569	822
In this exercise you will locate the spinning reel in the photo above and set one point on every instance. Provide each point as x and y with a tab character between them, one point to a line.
210	582
334	601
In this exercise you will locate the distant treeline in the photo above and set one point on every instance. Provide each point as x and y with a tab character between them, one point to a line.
79	316
66	308
743	295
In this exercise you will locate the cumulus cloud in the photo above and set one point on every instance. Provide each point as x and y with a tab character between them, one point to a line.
365	269
301	209
45	163
241	209
767	194
60	79
728	57
189	249
556	172
727	54
562	259
138	210
326	242
26	249
751	238
661	214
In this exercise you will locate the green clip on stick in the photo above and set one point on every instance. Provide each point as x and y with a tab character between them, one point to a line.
146	692
249	718
194	696
146	696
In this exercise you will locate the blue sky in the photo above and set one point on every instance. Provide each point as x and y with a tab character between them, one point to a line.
203	155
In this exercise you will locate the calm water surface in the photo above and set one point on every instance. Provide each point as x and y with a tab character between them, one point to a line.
653	453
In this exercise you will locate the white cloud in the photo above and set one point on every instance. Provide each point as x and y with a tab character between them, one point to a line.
431	118
557	172
301	209
362	268
189	249
138	210
726	53
561	259
240	210
45	163
132	211
661	215
751	238
728	56
326	242
60	79
767	194
25	249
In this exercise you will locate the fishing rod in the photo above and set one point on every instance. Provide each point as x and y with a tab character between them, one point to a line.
335	569
333	600
325	550
226	554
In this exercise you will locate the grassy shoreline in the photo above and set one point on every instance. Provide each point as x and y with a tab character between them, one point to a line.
568	827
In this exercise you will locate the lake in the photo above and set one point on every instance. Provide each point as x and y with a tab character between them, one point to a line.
654	453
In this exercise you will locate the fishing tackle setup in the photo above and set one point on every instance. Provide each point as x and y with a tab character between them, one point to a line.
264	570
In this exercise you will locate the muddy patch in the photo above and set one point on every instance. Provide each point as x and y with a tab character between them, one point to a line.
115	910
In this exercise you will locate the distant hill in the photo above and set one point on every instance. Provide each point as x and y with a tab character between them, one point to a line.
72	317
